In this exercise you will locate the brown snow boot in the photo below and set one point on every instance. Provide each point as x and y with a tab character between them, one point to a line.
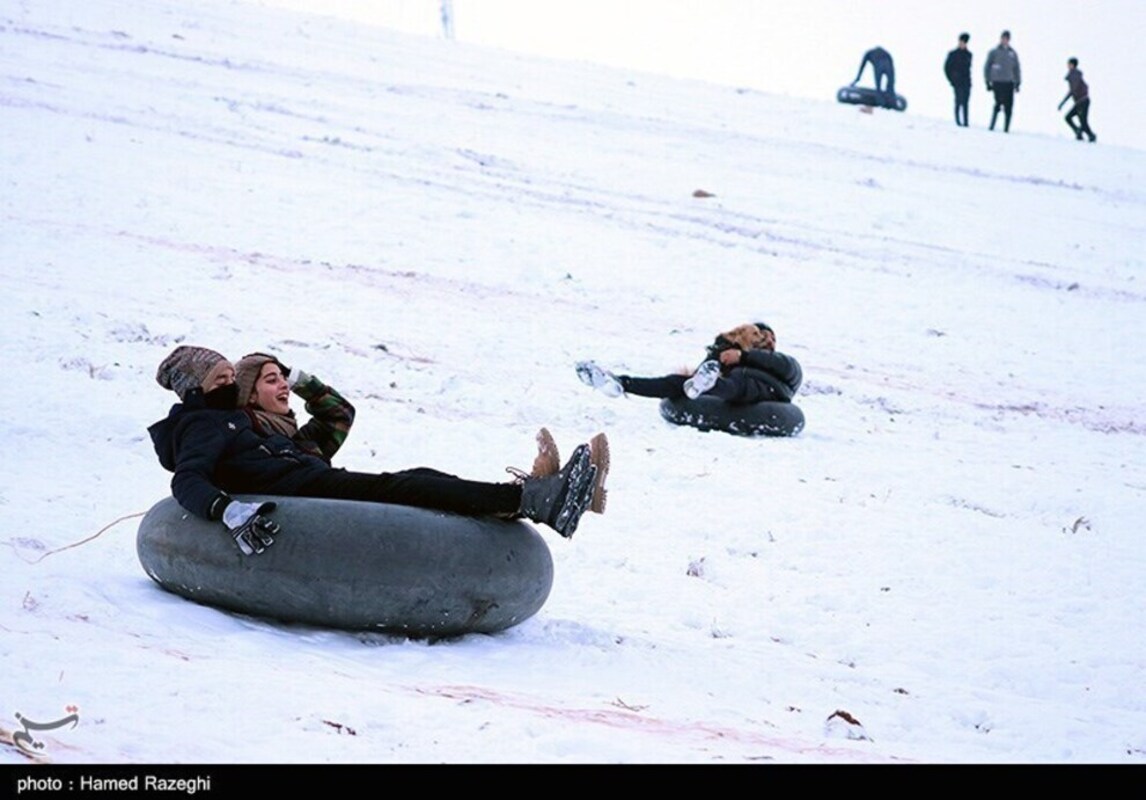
559	500
599	458
548	461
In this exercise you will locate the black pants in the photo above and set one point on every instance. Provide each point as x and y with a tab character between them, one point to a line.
885	85
962	95
1080	111
731	388
1005	100
422	487
884	80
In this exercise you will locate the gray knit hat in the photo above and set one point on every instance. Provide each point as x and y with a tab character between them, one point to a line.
247	371
189	368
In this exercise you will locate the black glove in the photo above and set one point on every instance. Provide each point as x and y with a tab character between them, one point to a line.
252	532
1016	88
990	87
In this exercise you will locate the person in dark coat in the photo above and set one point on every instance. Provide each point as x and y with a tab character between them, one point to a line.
1080	92
957	68
741	367
218	443
1003	76
884	68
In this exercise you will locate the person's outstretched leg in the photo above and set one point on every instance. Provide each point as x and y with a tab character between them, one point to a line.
665	386
616	385
555	500
421	487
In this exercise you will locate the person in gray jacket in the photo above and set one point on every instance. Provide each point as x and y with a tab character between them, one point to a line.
1081	94
1003	76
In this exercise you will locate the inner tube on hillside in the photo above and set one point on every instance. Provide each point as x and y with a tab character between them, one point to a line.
757	419
356	566
864	96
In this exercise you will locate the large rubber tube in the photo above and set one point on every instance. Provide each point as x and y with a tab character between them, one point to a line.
864	96
356	566
712	414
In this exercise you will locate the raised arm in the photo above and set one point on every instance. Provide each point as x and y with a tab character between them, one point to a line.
331	414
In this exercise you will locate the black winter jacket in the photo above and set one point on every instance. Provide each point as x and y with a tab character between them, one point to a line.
767	375
957	68
213	452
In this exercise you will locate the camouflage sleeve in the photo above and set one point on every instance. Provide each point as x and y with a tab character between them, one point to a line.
331	416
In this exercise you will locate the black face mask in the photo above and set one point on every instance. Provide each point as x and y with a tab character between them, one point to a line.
223	398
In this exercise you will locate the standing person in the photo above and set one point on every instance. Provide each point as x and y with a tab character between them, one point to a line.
1003	76
741	367
958	71
884	69
1081	108
234	431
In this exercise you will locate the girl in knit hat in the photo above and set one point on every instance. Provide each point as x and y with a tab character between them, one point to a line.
741	367
260	448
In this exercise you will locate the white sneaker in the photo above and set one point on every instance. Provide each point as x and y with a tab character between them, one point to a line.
703	380
600	379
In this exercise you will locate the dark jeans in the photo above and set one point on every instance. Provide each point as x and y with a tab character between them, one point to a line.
735	387
1080	111
962	95
1005	100
422	487
885	85
884	80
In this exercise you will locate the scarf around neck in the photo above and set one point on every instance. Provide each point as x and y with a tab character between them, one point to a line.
269	423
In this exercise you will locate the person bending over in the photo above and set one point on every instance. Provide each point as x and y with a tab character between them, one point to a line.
883	68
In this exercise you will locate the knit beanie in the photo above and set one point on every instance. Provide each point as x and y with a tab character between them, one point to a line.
190	368
247	373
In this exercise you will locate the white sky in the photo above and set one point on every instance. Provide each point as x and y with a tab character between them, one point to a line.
811	48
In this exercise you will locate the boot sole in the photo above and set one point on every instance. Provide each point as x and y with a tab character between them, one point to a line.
575	507
578	493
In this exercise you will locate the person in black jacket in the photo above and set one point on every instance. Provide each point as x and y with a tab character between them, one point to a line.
218	443
957	68
1080	92
741	367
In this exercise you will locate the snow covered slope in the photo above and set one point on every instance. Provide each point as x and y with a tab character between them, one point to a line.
950	553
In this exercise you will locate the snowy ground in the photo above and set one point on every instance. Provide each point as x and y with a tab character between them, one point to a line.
950	553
